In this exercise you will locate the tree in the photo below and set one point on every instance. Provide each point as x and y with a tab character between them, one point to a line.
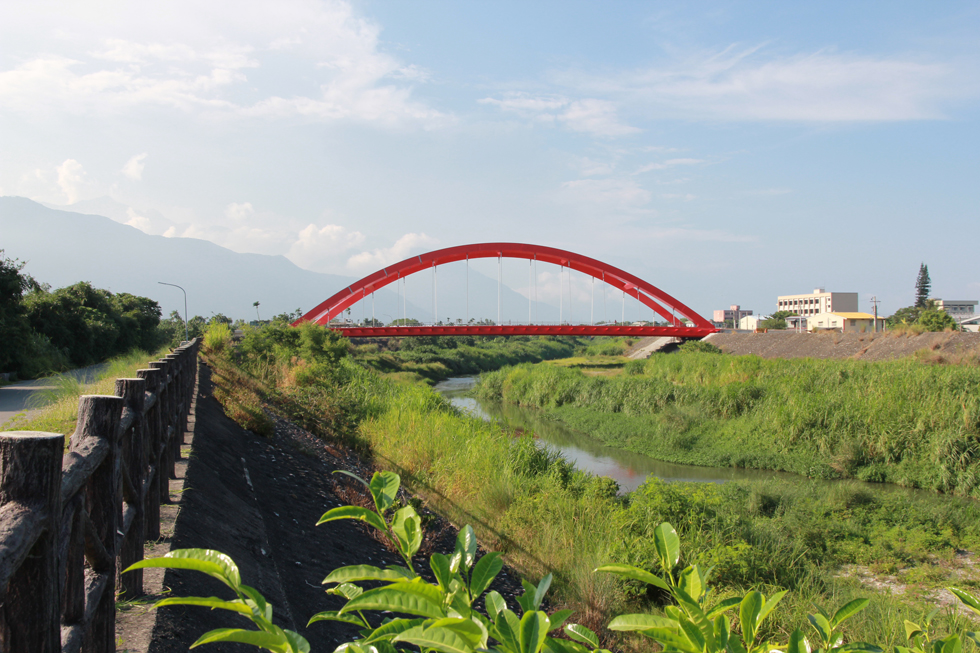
922	286
907	315
256	305
776	321
935	320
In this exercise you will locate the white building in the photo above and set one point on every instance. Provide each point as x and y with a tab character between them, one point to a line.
957	309
819	301
971	323
751	322
846	322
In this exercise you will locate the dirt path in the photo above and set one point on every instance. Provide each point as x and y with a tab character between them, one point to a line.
258	499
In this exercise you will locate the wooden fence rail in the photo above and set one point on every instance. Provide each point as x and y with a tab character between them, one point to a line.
71	520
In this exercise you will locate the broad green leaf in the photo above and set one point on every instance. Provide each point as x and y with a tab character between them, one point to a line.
533	629
484	572
723	606
396	599
392	628
494	603
261	610
212	602
346	590
440	639
297	641
407	528
668	546
723	629
748	616
635	573
690	581
822	626
641	622
472	631
466	545
582	634
952	644
507	630
912	629
553	645
770	604
541	590
271	641
966	599
354	512
440	567
673	639
558	618
974	636
213	563
797	643
358	573
695	635
384	489
333	615
353	476
862	646
847	611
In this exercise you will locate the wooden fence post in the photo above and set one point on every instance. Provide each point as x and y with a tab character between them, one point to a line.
152	440
135	460
30	475
98	418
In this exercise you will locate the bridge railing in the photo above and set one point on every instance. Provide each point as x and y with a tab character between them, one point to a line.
70	521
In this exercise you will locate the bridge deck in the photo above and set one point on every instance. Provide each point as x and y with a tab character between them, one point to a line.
525	330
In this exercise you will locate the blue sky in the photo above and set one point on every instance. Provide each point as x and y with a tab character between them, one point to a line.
726	152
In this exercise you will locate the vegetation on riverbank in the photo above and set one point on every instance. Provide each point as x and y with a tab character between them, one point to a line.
55	409
903	421
810	537
432	358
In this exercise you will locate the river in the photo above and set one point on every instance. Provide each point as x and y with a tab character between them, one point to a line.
586	453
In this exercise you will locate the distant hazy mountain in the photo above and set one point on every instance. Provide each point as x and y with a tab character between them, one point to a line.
64	247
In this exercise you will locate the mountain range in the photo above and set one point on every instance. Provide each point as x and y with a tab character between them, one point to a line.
62	247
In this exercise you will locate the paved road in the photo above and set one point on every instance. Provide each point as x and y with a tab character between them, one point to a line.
14	398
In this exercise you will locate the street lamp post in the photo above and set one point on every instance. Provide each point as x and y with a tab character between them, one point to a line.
186	339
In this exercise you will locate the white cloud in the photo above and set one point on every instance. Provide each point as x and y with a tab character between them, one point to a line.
768	191
669	163
589	115
318	248
70	178
141	222
379	258
698	235
134	167
239	212
337	67
614	193
747	85
687	197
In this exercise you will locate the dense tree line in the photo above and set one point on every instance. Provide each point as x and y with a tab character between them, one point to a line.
44	330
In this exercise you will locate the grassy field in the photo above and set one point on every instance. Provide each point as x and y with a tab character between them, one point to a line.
821	540
56	409
903	422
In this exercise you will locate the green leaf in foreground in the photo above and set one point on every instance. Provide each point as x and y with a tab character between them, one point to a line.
213	563
635	573
354	512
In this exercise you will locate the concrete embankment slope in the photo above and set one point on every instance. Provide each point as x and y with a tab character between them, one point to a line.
863	346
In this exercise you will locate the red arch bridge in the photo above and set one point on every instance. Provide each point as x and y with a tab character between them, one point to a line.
682	321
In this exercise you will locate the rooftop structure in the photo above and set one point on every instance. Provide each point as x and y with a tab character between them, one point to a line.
819	301
957	308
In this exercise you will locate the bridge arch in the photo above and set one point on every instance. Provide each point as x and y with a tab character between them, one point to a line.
671	309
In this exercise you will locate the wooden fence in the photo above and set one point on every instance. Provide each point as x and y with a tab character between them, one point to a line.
70	520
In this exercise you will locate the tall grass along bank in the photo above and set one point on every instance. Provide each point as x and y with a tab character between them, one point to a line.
903	422
816	539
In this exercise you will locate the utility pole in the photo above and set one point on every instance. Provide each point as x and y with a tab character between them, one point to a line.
875	302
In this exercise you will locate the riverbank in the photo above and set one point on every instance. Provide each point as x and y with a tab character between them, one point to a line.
550	518
903	422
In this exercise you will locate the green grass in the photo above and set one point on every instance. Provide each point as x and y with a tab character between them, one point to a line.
903	421
814	538
56	410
